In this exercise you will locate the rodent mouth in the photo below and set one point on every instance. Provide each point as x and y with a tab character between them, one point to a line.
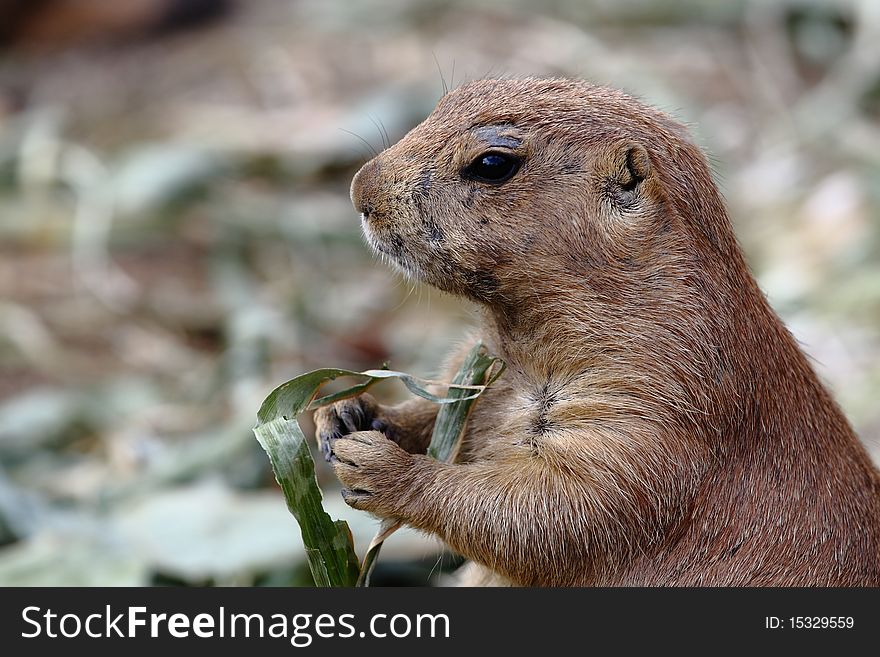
389	247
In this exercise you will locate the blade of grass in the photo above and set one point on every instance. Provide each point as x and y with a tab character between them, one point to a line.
479	370
415	385
328	543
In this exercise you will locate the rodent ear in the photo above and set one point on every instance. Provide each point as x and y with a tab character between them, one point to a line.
635	166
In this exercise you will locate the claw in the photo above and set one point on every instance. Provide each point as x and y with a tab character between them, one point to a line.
351	495
361	437
326	450
326	440
334	459
352	418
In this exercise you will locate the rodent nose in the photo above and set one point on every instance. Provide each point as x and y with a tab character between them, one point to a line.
362	186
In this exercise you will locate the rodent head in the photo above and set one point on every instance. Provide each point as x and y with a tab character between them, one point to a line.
508	180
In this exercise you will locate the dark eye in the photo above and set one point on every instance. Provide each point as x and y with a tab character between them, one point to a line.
493	167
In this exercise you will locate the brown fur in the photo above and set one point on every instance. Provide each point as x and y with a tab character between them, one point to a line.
657	424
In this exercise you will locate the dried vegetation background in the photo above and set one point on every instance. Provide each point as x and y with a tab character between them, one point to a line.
176	239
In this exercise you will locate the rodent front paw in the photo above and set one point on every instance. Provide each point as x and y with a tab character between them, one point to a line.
373	470
348	416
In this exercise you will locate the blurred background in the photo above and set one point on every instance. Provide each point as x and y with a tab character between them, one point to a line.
176	237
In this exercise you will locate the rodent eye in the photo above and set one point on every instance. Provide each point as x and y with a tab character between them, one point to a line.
492	167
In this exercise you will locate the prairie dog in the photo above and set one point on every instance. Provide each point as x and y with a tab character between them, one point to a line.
657	424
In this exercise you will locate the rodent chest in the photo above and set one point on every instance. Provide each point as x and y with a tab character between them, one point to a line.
541	402
519	413
536	413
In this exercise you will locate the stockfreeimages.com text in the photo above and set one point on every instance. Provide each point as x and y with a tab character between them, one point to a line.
299	629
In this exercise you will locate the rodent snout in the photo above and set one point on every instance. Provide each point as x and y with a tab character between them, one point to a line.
361	188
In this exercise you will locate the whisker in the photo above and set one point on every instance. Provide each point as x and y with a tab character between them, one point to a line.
378	129
490	73
403	280
368	144
385	130
436	564
440	71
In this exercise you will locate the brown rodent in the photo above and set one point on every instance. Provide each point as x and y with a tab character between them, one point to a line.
656	424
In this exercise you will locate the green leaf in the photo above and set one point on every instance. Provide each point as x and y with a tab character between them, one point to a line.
329	544
451	419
